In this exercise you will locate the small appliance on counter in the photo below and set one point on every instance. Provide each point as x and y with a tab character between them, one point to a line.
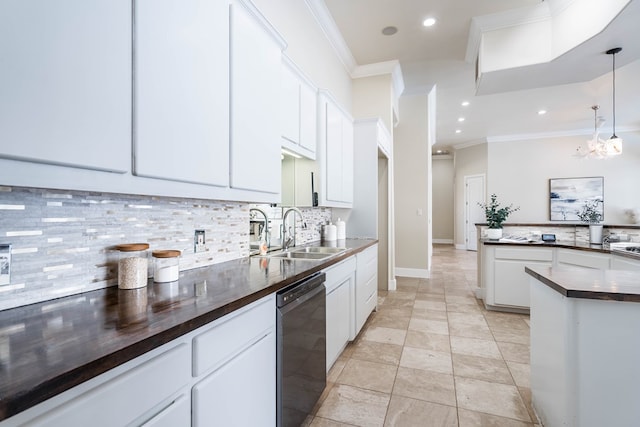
626	247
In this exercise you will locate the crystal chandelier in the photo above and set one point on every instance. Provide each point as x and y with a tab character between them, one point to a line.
597	148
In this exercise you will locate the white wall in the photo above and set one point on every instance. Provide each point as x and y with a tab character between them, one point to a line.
519	173
443	200
411	153
308	46
467	161
373	97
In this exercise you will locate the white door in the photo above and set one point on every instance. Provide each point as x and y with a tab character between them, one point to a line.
473	213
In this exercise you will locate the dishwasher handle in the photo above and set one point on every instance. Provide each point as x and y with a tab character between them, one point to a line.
298	290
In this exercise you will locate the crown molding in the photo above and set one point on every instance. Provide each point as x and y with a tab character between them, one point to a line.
469	144
557	134
324	19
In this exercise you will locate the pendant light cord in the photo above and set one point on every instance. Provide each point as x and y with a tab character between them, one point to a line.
614	96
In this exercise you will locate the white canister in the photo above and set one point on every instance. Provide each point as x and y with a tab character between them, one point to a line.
341	228
330	233
166	266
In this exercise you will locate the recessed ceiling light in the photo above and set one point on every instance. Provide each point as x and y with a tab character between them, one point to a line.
389	31
461	119
465	103
541	112
429	22
458	131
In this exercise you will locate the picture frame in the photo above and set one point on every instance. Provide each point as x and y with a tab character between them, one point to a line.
567	196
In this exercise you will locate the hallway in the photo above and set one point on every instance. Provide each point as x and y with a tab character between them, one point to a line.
433	356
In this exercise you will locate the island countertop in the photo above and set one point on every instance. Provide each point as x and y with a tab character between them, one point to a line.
616	285
50	347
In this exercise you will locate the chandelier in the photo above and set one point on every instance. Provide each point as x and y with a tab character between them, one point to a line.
596	147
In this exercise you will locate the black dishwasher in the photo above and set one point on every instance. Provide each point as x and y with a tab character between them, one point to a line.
301	341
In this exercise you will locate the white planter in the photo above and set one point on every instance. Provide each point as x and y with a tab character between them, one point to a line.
494	233
595	234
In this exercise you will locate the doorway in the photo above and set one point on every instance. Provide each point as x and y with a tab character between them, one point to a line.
474	194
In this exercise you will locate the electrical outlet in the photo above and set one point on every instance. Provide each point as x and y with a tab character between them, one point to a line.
5	264
199	242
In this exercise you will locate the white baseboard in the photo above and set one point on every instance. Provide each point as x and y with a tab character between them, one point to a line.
443	241
392	285
461	246
412	272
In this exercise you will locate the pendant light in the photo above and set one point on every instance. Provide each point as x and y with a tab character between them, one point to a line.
597	147
614	144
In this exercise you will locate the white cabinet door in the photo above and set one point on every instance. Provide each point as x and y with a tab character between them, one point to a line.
338	312
255	112
584	259
299	111
240	393
182	90
308	120
335	154
622	263
512	283
65	83
290	105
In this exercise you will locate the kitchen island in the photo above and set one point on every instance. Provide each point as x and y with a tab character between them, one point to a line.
55	347
585	346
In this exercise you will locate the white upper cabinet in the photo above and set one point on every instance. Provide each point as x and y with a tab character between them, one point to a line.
182	90
335	153
256	54
65	83
298	111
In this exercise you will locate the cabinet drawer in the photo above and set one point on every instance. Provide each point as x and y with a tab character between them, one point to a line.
583	259
231	334
525	254
126	397
337	273
176	414
367	264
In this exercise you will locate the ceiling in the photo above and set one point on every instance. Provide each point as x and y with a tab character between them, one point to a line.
565	87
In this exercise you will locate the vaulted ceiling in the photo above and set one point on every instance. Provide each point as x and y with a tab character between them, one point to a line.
506	103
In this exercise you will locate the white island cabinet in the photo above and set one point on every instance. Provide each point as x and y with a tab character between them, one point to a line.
366	294
505	284
65	85
585	347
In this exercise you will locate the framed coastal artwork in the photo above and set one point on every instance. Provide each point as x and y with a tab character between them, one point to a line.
567	196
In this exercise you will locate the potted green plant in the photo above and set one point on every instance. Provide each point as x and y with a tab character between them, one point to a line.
591	214
496	215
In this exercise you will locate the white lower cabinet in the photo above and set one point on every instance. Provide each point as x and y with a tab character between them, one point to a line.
366	292
242	391
241	373
207	377
623	263
142	390
584	259
507	284
339	285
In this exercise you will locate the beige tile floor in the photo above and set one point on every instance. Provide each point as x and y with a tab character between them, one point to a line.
433	356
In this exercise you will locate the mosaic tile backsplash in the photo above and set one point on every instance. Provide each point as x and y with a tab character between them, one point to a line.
62	241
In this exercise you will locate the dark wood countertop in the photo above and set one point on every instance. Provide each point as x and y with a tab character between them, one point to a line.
58	344
616	285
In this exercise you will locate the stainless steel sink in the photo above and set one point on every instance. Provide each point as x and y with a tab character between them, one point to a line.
319	250
300	255
309	253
